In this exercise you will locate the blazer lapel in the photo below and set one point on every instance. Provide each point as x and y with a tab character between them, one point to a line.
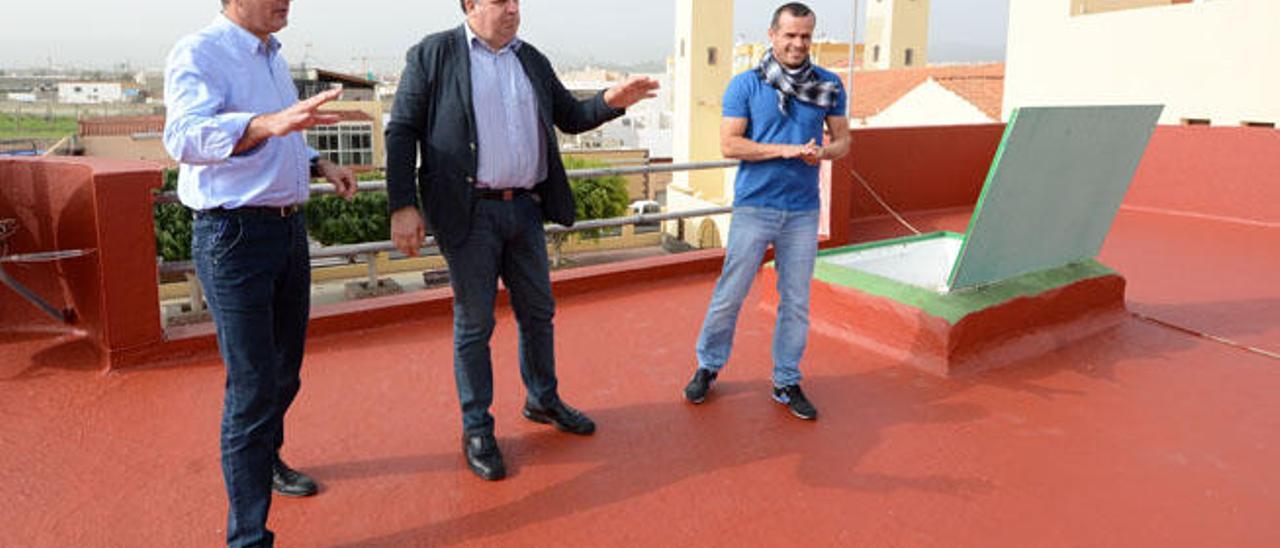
537	81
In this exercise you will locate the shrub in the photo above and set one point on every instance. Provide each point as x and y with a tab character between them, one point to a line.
597	197
173	224
332	220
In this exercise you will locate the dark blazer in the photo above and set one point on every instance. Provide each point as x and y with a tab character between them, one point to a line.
433	120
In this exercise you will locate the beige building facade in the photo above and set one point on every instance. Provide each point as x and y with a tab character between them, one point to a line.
897	34
703	67
1208	61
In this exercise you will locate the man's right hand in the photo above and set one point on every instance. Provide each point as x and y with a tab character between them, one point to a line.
301	116
407	230
809	152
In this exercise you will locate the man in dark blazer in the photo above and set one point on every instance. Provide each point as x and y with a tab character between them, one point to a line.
477	106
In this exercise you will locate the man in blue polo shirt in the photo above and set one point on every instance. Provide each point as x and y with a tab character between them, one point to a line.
773	122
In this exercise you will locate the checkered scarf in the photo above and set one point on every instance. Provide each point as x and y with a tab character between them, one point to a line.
802	83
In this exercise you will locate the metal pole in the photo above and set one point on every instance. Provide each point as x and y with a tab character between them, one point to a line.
371	260
64	316
853	55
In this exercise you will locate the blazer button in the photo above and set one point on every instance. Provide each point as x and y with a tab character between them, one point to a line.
473	147
471	179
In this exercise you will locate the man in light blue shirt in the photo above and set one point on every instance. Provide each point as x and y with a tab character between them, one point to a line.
234	123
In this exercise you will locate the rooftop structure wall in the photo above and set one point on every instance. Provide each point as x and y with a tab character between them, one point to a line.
1202	60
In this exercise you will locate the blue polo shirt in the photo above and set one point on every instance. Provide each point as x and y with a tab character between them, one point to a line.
790	185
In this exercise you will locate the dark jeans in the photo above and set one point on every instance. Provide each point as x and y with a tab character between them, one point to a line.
256	275
506	241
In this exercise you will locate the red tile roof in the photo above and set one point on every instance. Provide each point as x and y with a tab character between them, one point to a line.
876	90
983	91
131	125
121	125
350	115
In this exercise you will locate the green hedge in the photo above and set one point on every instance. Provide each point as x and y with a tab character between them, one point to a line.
173	224
332	220
597	197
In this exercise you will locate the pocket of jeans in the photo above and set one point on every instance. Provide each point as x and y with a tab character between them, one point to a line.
226	236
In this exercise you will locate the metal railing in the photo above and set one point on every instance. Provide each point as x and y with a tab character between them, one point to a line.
171	197
351	251
369	249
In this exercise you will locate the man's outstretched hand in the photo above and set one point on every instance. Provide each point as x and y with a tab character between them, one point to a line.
634	90
301	116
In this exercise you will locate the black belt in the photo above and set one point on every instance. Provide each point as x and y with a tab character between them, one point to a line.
268	211
503	194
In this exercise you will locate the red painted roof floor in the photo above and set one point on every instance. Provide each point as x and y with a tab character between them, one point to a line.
1143	436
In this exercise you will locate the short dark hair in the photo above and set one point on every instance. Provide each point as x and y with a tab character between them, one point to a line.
796	9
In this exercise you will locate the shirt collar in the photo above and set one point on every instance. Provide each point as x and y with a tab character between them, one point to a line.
474	41
244	39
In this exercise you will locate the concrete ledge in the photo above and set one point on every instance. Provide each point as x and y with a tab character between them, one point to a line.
198	342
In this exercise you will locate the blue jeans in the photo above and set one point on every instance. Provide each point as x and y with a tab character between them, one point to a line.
794	235
256	274
506	241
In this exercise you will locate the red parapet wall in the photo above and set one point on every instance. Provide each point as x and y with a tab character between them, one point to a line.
918	168
40	196
84	203
105	205
1218	172
1226	172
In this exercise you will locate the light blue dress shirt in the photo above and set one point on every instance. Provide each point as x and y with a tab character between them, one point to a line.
216	81
511	149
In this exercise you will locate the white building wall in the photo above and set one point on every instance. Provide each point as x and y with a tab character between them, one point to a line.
88	93
1211	59
929	104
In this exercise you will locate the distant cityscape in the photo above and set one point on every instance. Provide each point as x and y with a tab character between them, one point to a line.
118	111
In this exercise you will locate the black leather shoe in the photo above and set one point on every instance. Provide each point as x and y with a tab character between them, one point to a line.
566	418
483	456
291	483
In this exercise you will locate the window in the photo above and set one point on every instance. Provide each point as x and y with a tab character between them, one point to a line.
1196	122
346	143
711	56
909	56
1267	125
875	54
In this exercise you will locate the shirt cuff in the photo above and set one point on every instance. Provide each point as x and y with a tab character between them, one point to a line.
233	125
608	110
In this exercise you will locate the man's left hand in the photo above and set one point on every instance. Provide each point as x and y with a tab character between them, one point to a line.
342	179
632	91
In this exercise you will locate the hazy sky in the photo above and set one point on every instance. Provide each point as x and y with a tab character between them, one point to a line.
337	34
